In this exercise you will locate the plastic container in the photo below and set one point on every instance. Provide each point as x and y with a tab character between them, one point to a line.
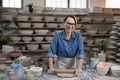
18	71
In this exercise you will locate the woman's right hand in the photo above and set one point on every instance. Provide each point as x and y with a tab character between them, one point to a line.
51	70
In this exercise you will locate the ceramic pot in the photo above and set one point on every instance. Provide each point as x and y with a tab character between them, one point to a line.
102	56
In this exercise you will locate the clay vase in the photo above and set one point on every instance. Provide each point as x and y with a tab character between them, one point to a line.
102	56
30	10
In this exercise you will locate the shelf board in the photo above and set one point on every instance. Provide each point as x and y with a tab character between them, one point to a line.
99	35
42	42
32	35
50	14
101	23
30	21
30	51
5	21
37	28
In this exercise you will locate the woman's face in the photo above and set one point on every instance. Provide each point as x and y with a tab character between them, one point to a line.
69	25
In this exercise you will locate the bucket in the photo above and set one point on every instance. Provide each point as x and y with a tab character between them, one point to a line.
94	62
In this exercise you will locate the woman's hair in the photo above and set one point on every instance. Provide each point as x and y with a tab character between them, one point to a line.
71	17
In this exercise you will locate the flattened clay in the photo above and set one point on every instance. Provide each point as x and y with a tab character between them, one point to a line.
65	75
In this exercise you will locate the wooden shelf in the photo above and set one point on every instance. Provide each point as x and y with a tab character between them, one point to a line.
99	35
42	42
30	21
38	28
32	35
100	23
29	51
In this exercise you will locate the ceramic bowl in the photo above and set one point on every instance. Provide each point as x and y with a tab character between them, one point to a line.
37	18
26	39
38	39
61	19
90	42
61	25
52	25
14	54
118	44
113	37
37	71
26	32
22	18
117	18
49	18
12	25
49	38
98	19
109	20
112	47
96	9
114	28
115	71
113	32
86	19
24	25
102	68
7	17
45	46
32	47
117	60
102	32
39	25
107	10
15	38
113	42
41	32
92	32
2	67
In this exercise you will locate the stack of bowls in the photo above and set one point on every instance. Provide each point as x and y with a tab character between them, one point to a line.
115	71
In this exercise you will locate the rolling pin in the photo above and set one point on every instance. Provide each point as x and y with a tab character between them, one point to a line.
69	71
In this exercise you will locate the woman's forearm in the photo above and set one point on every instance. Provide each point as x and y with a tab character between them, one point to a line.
80	63
50	60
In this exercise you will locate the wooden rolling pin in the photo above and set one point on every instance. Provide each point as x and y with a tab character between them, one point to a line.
69	71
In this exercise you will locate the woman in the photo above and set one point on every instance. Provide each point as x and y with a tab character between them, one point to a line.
68	47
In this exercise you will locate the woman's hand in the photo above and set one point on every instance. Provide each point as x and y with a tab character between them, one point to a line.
51	70
78	72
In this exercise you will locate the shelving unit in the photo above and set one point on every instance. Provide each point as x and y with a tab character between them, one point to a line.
83	26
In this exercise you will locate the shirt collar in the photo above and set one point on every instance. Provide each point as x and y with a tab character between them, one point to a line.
72	35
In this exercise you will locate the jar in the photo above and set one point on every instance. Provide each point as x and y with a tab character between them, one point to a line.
18	71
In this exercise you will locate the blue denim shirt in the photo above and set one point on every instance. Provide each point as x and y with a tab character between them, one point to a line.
62	47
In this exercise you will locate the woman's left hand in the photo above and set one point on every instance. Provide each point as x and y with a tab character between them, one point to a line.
78	72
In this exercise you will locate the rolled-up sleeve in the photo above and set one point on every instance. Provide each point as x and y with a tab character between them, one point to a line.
80	47
53	47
